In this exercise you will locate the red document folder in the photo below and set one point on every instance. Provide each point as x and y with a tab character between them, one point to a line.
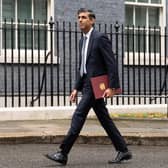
100	84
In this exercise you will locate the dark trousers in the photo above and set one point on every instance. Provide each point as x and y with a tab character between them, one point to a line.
86	103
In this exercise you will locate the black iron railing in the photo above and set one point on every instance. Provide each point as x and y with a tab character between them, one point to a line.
39	62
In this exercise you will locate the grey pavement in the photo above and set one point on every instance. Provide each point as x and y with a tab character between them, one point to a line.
81	156
135	131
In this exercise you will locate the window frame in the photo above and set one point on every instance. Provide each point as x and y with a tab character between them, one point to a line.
162	24
50	12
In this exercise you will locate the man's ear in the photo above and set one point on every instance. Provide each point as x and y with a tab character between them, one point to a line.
93	21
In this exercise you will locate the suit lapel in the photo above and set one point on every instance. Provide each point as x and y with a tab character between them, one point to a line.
80	49
90	44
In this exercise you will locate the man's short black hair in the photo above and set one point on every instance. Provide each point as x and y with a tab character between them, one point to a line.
91	13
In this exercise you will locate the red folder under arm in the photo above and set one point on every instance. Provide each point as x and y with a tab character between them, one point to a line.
100	84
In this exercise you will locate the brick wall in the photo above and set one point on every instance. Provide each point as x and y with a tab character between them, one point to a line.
106	10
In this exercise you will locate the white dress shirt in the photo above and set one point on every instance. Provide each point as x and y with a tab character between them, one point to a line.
86	47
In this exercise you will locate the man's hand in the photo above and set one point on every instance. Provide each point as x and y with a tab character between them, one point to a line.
109	93
73	95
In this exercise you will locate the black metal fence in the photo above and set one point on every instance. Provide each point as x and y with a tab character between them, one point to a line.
38	63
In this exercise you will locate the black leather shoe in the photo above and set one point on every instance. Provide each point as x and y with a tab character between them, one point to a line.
58	157
121	156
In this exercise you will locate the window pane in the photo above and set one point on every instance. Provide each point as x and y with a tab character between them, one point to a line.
40	10
129	15
24	35
154	17
40	37
24	10
140	16
154	41
8	9
156	1
140	41
143	1
8	36
129	40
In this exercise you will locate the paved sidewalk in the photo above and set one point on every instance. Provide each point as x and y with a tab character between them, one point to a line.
135	131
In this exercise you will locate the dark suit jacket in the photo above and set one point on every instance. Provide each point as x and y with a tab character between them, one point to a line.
100	60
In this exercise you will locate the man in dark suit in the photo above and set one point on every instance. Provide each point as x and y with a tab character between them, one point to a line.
96	58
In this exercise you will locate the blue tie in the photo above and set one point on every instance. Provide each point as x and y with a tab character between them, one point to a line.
83	56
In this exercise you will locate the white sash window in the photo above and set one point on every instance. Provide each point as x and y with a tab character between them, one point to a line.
20	11
147	16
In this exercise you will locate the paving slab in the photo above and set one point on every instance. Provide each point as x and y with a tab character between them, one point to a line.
135	131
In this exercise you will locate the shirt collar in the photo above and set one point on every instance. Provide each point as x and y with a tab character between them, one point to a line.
88	33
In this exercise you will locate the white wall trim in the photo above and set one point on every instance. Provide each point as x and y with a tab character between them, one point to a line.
66	112
148	59
36	54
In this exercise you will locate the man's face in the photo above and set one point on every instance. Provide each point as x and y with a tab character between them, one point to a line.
85	23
